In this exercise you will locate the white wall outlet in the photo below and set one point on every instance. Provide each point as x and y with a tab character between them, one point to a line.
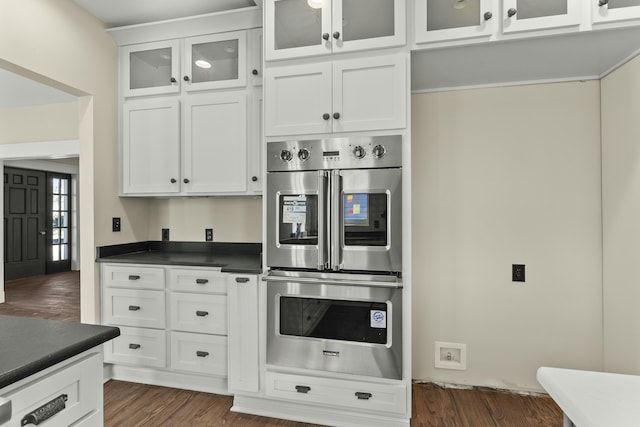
450	355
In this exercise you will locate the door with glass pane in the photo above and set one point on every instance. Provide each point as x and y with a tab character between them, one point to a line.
151	68
615	10
438	20
527	15
215	61
59	233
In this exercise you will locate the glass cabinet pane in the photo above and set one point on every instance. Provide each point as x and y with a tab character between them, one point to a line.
443	15
150	68
528	9
214	61
298	23
616	4
367	19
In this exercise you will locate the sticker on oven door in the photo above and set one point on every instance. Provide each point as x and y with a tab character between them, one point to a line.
294	209
378	319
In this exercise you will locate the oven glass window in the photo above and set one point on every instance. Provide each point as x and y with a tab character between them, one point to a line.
365	219
342	320
298	223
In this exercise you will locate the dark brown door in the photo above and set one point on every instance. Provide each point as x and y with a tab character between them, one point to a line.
24	223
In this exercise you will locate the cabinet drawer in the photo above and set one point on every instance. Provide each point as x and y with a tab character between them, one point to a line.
137	346
207	281
198	313
81	382
351	394
132	276
205	354
131	307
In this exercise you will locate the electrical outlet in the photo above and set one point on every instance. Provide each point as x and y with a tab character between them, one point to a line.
115	224
208	234
165	234
517	272
450	355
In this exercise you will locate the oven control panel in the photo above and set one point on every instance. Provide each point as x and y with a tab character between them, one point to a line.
335	153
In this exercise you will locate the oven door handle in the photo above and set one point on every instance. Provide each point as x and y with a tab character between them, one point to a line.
368	283
336	215
322	220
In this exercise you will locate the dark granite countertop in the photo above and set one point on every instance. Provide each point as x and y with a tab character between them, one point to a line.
30	345
244	258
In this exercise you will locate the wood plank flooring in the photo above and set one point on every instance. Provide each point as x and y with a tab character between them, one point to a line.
57	297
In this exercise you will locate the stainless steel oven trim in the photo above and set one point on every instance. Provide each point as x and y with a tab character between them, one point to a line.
339	282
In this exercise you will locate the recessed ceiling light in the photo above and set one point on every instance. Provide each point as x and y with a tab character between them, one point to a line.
202	63
316	4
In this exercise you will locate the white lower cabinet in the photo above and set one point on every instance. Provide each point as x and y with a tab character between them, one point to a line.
387	398
202	354
138	346
73	386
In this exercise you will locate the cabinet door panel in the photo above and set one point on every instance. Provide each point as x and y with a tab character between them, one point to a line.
199	353
441	21
150	68
616	10
296	99
527	15
215	146
151	146
369	94
198	313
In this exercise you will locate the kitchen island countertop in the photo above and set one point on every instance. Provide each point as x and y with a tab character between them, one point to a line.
31	345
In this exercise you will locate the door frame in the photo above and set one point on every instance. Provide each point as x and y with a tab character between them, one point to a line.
34	151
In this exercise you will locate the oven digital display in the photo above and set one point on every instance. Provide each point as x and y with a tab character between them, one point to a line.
331	153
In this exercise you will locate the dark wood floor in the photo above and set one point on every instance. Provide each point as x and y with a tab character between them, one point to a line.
57	297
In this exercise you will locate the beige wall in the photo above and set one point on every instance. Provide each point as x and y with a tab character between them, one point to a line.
507	176
232	219
621	217
39	123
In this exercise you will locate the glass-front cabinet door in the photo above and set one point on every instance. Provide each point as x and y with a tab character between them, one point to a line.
299	28
615	10
438	20
528	15
215	61
151	68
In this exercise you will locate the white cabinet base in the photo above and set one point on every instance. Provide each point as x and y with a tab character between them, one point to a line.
311	414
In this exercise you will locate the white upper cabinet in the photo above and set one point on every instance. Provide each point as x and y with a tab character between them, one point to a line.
255	44
299	28
215	61
150	68
345	95
529	15
615	10
437	20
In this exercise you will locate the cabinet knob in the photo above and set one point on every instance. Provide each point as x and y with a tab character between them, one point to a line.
173	80
254	72
326	116
603	2
303	389
200	313
336	35
488	15
186	78
134	346
254	178
511	12
202	281
134	307
134	277
336	116
325	36
242	279
363	396
186	181
173	180
202	353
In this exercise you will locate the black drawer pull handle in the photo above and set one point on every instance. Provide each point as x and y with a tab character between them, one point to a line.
363	396
242	279
303	389
134	277
45	412
202	313
202	281
134	346
134	307
202	353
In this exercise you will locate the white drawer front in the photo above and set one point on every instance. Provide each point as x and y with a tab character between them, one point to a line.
199	313
131	307
351	394
205	354
81	382
137	346
132	276
207	281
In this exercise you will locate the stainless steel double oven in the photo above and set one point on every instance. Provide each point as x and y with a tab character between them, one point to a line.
334	252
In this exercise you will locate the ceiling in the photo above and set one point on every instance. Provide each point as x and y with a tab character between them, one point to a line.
118	13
